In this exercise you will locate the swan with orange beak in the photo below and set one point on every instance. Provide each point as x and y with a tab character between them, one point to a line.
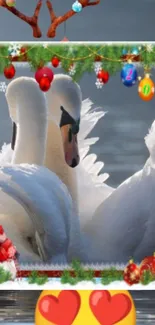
66	98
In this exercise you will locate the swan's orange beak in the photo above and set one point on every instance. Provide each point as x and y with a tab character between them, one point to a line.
70	145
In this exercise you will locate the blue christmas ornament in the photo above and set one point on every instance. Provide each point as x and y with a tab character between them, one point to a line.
135	51
129	75
124	52
77	6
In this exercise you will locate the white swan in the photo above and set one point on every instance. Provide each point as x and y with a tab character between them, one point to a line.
85	184
83	181
123	226
32	198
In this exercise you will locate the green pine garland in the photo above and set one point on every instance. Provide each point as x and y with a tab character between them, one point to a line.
107	276
36	278
111	275
147	277
83	55
81	274
4	275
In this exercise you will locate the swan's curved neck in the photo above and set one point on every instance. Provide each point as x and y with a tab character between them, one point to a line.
31	138
54	159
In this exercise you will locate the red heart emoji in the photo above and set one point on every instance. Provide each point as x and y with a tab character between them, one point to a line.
108	309
61	310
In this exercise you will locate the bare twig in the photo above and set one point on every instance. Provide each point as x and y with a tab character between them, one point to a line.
32	21
56	21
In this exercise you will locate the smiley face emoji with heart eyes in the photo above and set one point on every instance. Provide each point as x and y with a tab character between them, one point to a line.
96	307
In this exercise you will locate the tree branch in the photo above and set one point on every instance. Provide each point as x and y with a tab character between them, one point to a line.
32	21
56	21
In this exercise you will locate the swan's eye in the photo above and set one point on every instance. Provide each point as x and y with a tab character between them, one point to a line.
65	118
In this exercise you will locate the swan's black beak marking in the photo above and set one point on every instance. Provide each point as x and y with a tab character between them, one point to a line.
69	130
14	135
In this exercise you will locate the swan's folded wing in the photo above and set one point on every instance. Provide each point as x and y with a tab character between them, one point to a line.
92	191
10	186
42	195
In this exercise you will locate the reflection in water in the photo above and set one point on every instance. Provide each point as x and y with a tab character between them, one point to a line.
18	306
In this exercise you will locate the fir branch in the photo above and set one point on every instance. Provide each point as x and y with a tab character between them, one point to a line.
111	275
80	274
36	278
146	277
4	275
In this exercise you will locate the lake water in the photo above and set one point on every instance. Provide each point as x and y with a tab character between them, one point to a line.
18	306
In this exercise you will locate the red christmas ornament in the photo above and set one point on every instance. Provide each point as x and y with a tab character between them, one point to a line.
131	273
1	230
44	72
23	50
44	84
103	75
148	264
9	71
55	62
7	249
65	39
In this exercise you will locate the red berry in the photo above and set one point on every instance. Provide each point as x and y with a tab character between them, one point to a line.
44	84
44	72
9	71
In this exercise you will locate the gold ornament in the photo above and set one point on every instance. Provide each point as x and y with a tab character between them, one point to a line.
146	88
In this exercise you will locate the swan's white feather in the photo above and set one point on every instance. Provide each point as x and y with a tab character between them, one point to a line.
83	152
88	162
89	118
96	168
89	141
92	189
87	105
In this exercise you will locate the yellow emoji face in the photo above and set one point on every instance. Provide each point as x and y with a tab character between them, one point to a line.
66	307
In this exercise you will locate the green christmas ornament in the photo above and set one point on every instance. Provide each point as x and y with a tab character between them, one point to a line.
11	3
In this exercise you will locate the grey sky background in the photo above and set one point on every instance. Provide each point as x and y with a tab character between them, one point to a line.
111	20
121	130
